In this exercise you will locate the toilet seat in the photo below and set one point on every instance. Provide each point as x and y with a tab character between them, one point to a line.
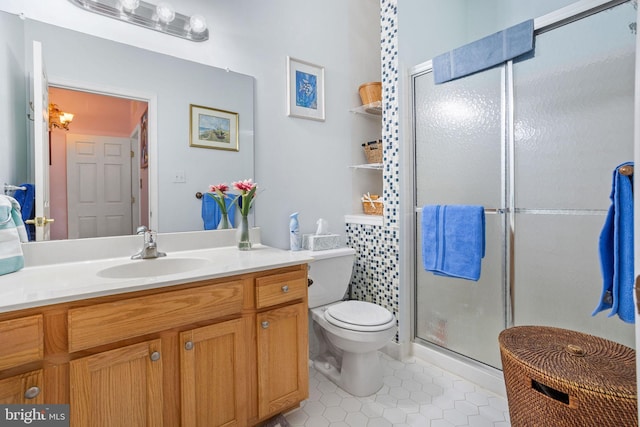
360	316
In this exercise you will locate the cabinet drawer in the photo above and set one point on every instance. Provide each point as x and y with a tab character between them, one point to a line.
22	341
105	323
280	288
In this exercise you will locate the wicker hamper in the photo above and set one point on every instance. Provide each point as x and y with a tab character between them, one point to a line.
561	378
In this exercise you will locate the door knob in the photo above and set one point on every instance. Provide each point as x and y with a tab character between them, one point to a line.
39	221
32	392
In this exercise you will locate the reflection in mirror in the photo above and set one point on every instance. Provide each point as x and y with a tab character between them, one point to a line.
98	177
169	85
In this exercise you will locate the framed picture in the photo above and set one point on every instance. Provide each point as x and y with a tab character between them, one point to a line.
144	140
305	90
211	128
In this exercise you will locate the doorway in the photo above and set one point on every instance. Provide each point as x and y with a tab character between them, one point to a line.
98	117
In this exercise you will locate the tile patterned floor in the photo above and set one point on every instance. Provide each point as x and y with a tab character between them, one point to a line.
414	394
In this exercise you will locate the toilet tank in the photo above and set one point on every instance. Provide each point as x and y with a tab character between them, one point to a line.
330	271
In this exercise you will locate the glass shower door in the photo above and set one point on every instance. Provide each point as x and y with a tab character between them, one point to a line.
459	161
573	109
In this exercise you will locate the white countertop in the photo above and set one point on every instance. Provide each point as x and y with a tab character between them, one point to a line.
40	285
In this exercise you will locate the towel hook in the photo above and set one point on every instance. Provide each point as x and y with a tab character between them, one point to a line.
626	170
198	195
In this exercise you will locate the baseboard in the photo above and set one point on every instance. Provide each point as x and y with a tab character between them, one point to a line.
489	378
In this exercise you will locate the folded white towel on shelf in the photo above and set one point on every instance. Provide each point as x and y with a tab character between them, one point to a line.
12	233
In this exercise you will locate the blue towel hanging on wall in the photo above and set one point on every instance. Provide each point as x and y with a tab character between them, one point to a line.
616	251
484	53
211	214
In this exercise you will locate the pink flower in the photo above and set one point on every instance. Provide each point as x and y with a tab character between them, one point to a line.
219	193
247	189
244	186
222	188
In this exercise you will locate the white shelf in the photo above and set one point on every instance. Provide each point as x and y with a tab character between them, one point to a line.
372	110
364	219
376	166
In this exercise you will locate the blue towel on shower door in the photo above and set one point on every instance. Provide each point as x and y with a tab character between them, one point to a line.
453	240
616	251
211	214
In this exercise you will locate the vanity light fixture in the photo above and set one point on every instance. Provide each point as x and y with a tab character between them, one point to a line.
59	119
161	17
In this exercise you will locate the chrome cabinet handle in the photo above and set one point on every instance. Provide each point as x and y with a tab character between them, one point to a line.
265	324
155	356
285	289
32	392
188	345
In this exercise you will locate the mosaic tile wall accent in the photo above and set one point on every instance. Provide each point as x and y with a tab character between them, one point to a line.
376	272
390	107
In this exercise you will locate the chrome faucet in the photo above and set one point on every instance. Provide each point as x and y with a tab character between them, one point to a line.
149	247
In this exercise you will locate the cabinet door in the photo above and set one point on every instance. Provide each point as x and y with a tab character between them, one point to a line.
121	387
212	377
283	373
22	389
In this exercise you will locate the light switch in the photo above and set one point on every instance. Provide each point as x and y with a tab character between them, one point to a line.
179	177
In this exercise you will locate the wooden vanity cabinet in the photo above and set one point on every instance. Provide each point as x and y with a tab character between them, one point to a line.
194	354
22	345
22	389
212	375
282	342
120	387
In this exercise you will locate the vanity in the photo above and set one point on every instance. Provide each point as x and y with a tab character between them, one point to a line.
220	341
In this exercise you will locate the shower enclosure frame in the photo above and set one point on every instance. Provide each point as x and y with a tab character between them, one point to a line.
468	367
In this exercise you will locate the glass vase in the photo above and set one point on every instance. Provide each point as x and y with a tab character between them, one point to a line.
244	242
224	223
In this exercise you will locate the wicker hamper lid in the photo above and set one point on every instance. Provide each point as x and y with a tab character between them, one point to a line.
577	359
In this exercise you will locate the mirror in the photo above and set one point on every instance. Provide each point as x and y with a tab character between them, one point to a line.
167	84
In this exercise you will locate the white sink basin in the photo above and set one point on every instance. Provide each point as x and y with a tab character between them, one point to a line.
153	267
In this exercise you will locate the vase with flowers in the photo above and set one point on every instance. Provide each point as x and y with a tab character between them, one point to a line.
247	190
219	194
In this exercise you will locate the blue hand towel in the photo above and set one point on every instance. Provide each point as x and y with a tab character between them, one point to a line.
616	251
453	240
12	233
27	199
211	214
484	53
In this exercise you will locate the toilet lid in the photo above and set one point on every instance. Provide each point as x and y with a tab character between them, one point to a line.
360	316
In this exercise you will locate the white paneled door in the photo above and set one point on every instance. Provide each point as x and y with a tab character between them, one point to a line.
98	186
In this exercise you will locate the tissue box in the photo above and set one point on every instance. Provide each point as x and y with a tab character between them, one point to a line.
321	242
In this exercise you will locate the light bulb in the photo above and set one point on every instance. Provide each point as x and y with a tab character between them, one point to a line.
197	23
165	12
130	5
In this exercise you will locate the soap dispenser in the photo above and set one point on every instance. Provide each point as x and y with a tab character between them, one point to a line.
294	232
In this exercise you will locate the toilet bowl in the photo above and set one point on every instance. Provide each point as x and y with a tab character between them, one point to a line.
349	333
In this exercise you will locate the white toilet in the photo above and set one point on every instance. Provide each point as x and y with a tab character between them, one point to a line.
348	333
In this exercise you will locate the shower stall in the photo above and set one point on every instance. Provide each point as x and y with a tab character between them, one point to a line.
535	141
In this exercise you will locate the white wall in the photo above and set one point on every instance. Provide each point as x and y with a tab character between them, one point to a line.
302	165
12	105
